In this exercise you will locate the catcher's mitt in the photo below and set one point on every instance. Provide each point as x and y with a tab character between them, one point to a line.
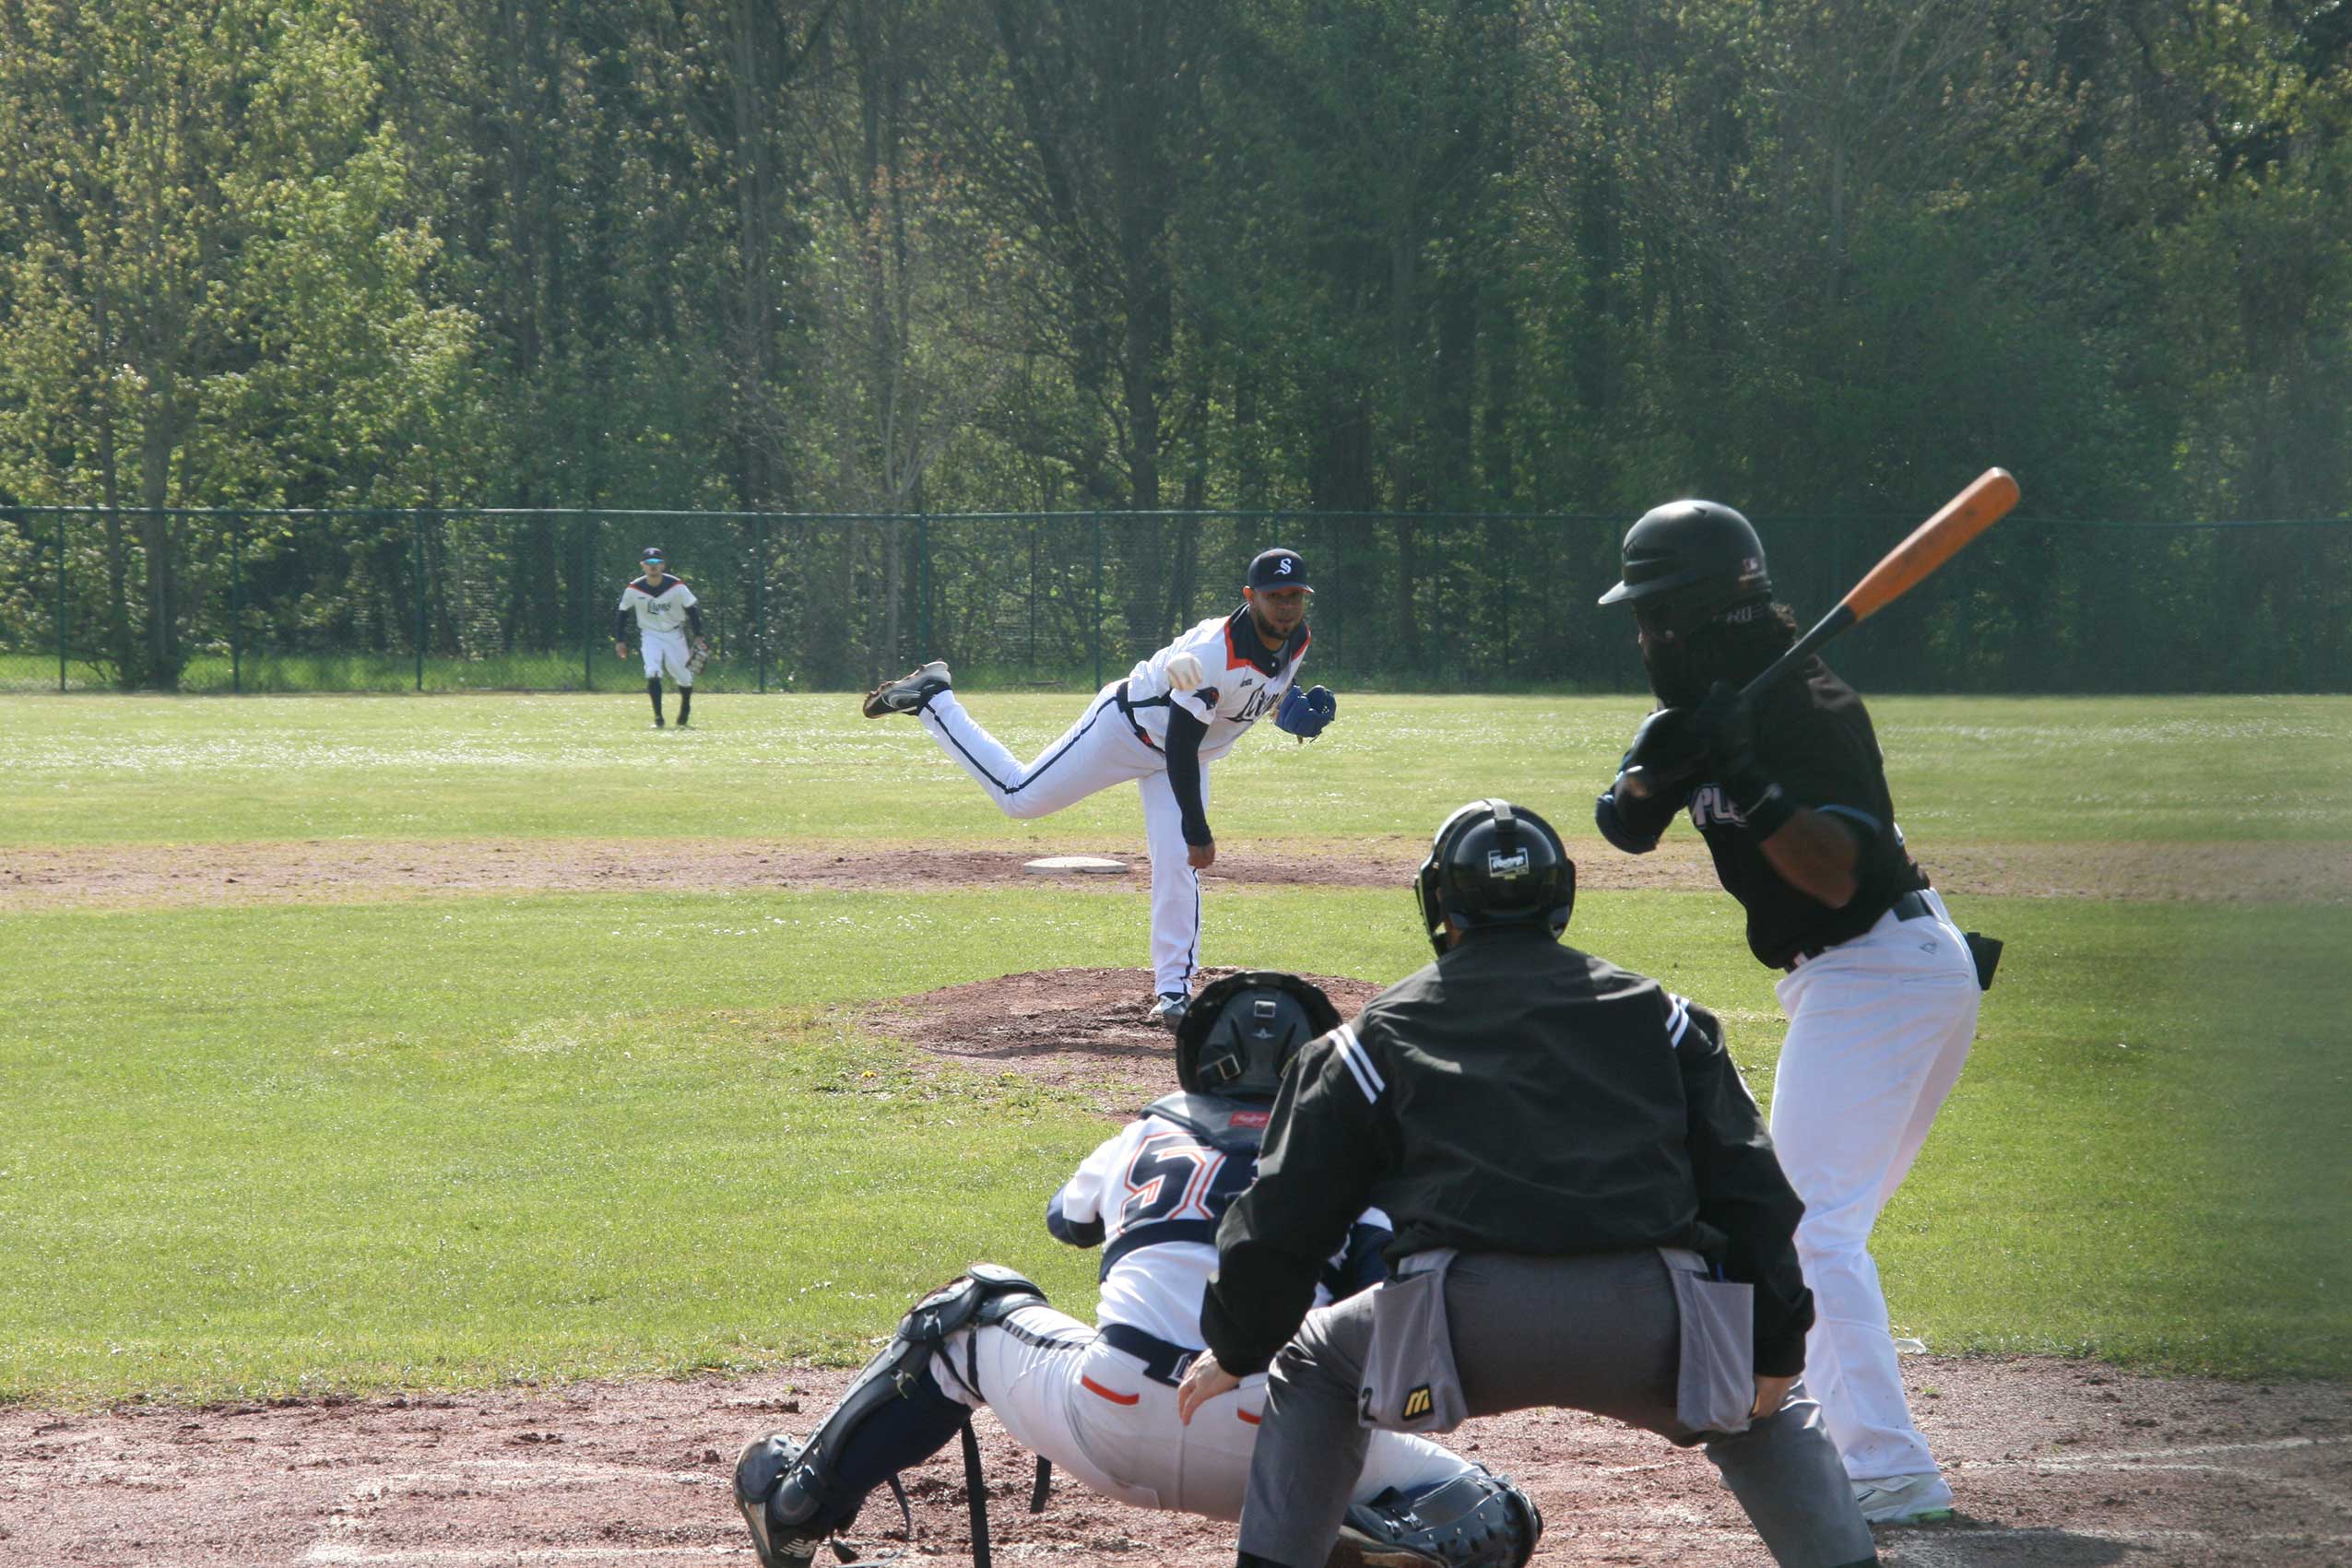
698	658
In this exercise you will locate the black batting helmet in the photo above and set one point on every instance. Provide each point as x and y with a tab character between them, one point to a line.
1493	864
1242	1030
1688	561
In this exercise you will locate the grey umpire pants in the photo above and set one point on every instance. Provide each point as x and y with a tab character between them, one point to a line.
1598	1334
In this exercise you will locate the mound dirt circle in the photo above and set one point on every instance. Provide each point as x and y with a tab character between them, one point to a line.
1087	1029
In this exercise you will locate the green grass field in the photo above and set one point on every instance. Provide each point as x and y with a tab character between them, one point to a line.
456	1140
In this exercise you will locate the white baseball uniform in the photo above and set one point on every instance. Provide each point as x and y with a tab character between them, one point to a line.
660	608
1122	735
1101	1402
1879	1027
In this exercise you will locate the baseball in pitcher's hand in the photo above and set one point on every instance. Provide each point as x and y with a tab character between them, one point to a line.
1204	1380
1202	856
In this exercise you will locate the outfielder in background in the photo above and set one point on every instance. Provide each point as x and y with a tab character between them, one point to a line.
1175	713
665	611
1880	988
1102	1402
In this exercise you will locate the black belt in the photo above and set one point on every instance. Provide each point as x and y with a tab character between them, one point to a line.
1126	711
1163	1361
1912	905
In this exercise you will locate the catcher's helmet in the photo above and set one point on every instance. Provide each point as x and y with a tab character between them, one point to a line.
1242	1031
1688	561
1493	864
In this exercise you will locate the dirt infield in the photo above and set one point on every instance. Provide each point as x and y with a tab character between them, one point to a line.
331	870
2056	1465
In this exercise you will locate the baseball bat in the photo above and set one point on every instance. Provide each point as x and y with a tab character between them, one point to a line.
1986	501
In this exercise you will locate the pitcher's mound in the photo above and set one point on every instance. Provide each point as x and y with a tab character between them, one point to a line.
1085	1029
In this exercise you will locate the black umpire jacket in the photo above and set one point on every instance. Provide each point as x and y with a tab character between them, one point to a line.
1515	1096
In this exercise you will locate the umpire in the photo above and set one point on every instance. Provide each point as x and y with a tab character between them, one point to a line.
1588	1214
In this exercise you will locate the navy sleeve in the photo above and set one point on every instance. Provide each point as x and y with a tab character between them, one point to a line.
1184	733
621	624
1064	1229
695	618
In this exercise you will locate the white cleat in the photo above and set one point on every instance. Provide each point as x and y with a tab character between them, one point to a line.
1921	1499
1169	1008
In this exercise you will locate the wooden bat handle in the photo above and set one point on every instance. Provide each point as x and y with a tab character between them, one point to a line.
1933	542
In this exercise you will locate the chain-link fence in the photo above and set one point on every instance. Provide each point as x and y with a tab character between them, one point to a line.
241	601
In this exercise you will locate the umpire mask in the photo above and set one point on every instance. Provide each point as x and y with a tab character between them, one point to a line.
1243	1031
1493	864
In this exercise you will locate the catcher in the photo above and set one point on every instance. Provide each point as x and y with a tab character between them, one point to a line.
1101	1402
662	604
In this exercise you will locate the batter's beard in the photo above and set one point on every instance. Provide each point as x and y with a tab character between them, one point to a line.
1734	647
1675	678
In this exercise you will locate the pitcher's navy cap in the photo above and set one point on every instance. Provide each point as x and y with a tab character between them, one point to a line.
1279	568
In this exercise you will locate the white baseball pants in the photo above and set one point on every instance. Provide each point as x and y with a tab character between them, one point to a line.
1099	750
1878	1029
665	652
1064	1394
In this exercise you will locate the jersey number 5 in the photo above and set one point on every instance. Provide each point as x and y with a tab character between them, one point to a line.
1172	1177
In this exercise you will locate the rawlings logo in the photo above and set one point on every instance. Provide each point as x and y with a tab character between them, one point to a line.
1501	865
1252	1118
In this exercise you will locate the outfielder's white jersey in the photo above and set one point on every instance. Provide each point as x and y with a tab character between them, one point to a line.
659	607
1243	681
1102	1404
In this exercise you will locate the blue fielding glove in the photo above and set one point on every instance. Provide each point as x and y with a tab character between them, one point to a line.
1304	713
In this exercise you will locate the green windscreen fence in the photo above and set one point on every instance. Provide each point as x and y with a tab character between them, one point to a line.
260	601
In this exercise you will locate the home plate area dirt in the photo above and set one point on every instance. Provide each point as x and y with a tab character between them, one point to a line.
2056	1463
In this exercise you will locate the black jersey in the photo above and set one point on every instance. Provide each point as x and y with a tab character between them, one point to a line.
1515	1096
1812	739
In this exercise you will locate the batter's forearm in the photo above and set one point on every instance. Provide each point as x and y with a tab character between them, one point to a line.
1817	855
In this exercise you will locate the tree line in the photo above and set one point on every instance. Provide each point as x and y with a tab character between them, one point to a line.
1812	257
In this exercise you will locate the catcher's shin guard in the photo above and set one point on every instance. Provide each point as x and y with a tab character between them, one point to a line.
793	1495
1479	1520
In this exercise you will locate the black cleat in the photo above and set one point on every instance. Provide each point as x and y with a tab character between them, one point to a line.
908	692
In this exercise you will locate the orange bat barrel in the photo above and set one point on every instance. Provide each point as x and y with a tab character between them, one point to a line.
1932	543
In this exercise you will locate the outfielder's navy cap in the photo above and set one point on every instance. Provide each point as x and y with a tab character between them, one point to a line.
1279	568
651	552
